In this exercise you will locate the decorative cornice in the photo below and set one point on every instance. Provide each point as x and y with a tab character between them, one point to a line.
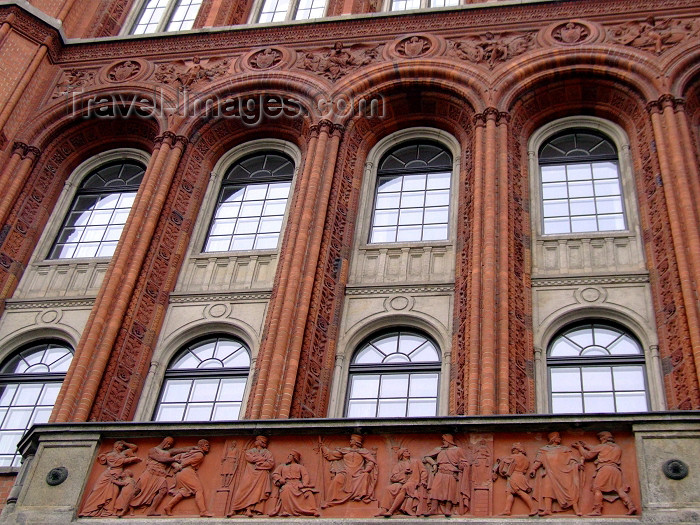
180	298
389	290
20	304
546	282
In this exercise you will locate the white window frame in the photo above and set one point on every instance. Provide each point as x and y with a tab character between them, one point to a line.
292	9
424	4
139	7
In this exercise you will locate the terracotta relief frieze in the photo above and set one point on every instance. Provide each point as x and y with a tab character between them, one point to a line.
491	49
654	35
190	72
336	62
73	80
360	475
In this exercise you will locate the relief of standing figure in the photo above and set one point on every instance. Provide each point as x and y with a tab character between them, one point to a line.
187	482
296	493
560	480
406	493
514	468
449	486
254	484
157	478
608	478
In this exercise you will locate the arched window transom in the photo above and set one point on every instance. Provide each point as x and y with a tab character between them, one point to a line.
594	368
205	382
394	375
29	384
412	199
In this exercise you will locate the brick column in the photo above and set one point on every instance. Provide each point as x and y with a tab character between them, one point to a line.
20	88
276	308
681	211
504	237
473	340
85	374
14	176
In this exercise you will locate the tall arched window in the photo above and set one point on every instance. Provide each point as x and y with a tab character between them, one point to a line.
580	184
99	211
29	383
596	367
412	199
395	374
252	203
205	381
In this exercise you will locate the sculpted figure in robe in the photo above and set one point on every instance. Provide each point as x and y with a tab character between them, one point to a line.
560	479
296	493
449	486
409	480
158	477
354	473
254	484
514	468
608	482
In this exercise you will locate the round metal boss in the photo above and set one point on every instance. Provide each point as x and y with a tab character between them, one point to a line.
675	469
56	476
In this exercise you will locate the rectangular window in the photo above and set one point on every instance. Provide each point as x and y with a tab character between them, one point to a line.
166	15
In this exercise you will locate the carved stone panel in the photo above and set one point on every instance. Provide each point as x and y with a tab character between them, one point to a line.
365	475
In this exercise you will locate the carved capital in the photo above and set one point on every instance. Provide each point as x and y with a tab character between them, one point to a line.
168	137
491	114
338	130
653	107
20	148
33	152
181	142
479	120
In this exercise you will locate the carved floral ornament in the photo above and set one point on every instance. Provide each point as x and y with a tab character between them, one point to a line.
476	474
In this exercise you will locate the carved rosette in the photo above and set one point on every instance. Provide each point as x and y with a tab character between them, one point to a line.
128	70
415	46
266	58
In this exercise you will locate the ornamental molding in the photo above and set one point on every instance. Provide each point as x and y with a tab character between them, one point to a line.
544	282
189	72
176	298
338	61
399	290
19	304
492	49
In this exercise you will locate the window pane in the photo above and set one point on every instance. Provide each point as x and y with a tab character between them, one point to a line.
226	412
629	377
598	402
199	412
232	389
364	386
567	404
424	385
557	225
422	407
362	408
553	173
565	379
391	408
555	190
631	401
176	390
395	385
597	379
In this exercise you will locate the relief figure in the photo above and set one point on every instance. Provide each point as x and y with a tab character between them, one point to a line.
254	484
449	486
560	479
157	478
187	482
514	469
296	493
409	480
608	483
353	473
103	497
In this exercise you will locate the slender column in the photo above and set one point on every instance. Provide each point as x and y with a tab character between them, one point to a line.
311	260
14	176
278	355
71	389
504	235
488	270
688	149
676	203
5	27
134	257
20	88
474	341
299	202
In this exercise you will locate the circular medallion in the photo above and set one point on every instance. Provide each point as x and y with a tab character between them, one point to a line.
675	469
56	476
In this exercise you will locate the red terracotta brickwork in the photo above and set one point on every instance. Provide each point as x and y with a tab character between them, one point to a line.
6	483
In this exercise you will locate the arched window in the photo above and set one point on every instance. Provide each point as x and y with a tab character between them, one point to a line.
596	367
166	15
251	205
286	10
29	383
580	184
205	381
394	374
99	211
412	199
